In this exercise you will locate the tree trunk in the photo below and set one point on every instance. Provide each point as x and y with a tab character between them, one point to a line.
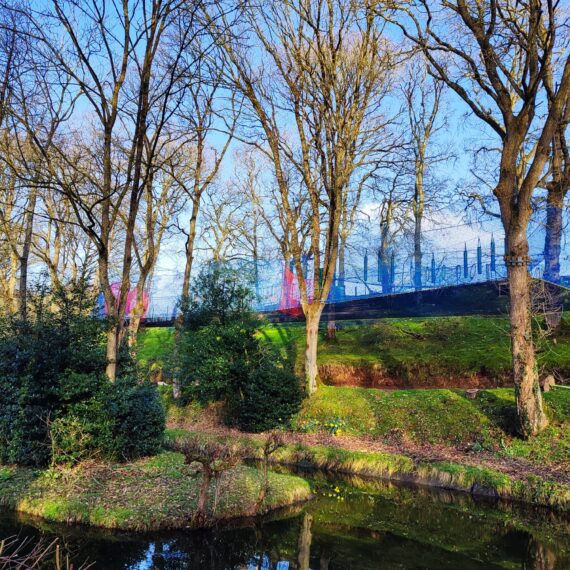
190	248
112	352
203	498
340	288
331	325
305	539
341	267
531	416
313	317
552	248
12	301
418	217
24	258
385	265
135	317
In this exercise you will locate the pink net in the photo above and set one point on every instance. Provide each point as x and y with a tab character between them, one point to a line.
290	302
131	300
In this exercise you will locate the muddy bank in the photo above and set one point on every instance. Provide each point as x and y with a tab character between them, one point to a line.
375	376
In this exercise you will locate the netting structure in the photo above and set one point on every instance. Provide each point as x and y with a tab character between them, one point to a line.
366	274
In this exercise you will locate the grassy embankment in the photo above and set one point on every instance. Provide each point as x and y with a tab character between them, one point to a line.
413	351
154	493
404	420
476	480
414	428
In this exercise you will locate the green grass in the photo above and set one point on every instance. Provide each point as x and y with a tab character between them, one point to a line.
410	349
150	494
422	348
441	417
427	416
153	347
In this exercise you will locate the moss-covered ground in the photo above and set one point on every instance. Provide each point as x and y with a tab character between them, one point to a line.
439	416
411	349
418	349
153	493
476	480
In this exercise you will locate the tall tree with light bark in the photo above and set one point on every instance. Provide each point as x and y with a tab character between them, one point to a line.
314	74
422	95
495	56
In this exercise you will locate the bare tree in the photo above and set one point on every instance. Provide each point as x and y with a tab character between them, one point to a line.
59	244
114	54
163	198
314	89
223	222
495	57
392	215
206	111
422	95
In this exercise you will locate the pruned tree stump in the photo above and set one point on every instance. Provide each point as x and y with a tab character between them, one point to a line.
547	383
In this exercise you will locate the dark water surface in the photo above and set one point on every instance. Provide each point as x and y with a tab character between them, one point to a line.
352	524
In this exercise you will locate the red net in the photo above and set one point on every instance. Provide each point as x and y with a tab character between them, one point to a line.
290	303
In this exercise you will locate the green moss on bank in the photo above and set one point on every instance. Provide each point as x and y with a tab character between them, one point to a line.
441	416
418	349
398	467
155	493
409	349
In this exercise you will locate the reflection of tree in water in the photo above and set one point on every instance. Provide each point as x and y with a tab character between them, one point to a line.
305	539
539	557
375	526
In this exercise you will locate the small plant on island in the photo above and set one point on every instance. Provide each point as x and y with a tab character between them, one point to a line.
214	458
273	441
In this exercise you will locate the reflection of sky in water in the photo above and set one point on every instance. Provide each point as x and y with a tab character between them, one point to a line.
363	525
147	563
152	557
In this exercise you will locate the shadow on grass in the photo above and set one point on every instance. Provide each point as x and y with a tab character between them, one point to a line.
498	406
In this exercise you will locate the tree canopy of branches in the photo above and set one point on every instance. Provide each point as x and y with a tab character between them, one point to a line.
314	86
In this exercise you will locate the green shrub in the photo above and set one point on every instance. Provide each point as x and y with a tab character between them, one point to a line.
57	404
120	421
219	356
268	398
213	357
139	418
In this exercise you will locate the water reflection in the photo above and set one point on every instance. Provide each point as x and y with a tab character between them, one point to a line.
353	524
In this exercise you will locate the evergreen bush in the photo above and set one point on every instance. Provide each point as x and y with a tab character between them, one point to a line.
56	404
219	355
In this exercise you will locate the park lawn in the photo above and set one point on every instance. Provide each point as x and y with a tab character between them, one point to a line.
420	348
150	494
153	347
408	348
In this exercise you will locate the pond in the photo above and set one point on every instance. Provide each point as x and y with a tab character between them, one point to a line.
353	523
